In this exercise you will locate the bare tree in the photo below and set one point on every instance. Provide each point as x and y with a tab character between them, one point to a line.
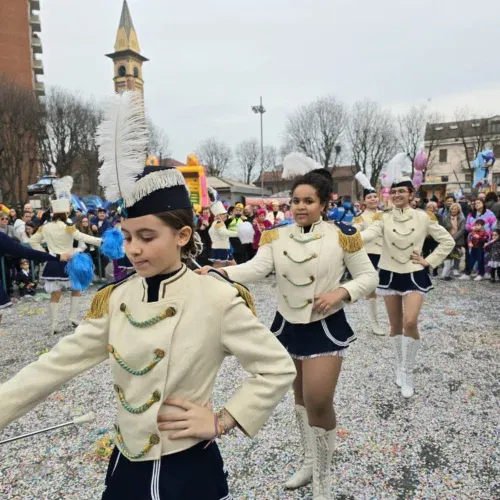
412	129
316	129
61	137
372	138
215	156
20	115
89	154
159	143
248	154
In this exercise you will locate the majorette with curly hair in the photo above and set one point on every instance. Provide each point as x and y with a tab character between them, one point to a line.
309	258
403	276
164	349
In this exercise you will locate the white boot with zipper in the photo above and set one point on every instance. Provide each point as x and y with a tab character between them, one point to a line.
410	350
373	312
397	347
304	475
323	444
73	311
53	310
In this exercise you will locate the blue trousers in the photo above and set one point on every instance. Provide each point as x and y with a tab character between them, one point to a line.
476	255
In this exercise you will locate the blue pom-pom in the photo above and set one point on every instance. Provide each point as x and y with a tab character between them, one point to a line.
112	244
80	270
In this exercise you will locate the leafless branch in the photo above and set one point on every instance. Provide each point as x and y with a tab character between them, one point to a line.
248	154
215	156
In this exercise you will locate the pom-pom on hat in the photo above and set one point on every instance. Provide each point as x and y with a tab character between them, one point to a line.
138	189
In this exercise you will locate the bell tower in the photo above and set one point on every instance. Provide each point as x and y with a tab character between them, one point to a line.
127	58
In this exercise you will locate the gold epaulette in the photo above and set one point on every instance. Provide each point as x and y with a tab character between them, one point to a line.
100	303
269	236
71	229
358	220
219	225
246	296
350	242
431	215
378	216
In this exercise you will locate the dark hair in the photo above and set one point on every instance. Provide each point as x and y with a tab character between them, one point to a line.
321	180
346	199
448	196
491	196
476	211
101	210
63	217
84	230
177	219
479	221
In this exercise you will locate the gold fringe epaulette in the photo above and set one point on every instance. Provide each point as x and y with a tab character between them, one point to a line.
358	220
100	303
219	225
431	215
246	296
378	216
269	236
71	229
351	242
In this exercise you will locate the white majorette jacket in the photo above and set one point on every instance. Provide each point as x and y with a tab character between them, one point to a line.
220	235
308	264
169	348
364	221
403	232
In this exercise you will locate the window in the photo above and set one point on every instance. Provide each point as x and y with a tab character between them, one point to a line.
122	71
444	178
496	180
496	151
468	177
470	153
453	127
494	128
443	155
438	128
136	72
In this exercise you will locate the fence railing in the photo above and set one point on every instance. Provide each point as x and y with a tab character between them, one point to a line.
100	270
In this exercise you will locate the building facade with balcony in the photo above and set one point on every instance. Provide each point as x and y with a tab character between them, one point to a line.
452	147
20	43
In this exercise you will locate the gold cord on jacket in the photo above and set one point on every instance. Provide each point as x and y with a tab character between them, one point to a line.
154	439
303	306
246	296
100	304
159	354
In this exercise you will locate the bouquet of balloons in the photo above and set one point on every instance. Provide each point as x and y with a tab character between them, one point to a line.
481	165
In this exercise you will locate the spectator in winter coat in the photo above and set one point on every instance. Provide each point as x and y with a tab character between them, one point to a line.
481	212
448	202
101	224
493	204
454	223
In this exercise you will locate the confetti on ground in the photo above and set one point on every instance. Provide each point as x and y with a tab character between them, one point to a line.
444	443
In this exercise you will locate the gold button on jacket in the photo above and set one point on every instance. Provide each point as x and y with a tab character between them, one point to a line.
178	356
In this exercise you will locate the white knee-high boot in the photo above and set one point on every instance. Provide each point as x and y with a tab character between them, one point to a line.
304	475
73	311
397	348
53	310
323	442
446	268
373	312
410	350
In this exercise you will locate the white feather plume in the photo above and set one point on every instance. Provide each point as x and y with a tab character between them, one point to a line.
63	187
296	164
363	180
246	232
395	168
122	139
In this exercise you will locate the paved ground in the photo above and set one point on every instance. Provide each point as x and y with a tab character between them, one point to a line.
442	444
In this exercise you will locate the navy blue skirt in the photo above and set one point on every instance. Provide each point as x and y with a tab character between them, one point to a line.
195	473
391	283
55	271
327	337
220	255
374	259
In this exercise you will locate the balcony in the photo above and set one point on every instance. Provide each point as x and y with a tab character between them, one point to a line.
35	4
35	22
40	89
36	45
37	67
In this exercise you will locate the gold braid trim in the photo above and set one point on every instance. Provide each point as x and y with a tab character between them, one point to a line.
358	220
100	303
269	236
378	216
71	229
431	216
351	243
246	296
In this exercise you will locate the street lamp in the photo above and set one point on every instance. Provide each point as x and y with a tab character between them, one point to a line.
260	109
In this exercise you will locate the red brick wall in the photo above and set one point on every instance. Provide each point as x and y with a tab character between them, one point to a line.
15	41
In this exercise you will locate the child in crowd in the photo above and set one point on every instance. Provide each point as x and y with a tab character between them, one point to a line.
494	249
476	242
24	280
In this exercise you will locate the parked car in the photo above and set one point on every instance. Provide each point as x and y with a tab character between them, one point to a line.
42	186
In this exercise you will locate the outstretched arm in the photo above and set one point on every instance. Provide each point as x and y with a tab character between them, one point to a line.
11	247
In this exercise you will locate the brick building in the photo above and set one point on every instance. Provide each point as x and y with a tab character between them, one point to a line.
20	44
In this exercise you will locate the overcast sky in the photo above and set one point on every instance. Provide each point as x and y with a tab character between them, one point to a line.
210	60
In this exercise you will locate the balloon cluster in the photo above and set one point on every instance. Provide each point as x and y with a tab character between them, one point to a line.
420	164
